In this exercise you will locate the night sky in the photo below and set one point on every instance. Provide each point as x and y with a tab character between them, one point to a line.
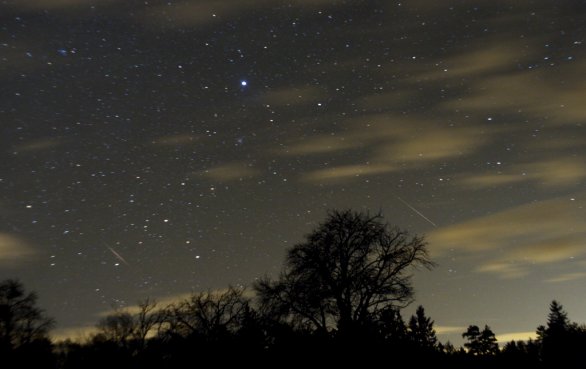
155	148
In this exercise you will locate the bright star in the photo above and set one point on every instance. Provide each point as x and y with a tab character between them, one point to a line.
243	83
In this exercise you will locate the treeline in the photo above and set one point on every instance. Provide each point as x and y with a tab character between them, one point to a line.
337	301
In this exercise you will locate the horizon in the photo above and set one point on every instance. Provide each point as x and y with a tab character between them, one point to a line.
444	333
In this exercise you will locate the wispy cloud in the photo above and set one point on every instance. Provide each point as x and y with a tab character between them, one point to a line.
449	329
83	333
516	336
75	334
432	144
14	249
566	277
558	172
519	92
176	140
235	171
40	144
532	234
483	62
161	303
345	172
321	144
388	143
504	269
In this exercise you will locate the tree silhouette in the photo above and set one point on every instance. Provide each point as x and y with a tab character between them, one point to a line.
21	321
447	348
560	338
349	269
480	343
24	328
209	314
392	326
521	353
130	330
117	328
145	321
421	330
557	319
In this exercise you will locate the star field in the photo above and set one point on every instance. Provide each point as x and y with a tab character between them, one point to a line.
153	148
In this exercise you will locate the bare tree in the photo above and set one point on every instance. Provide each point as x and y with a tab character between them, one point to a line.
117	327
127	329
147	318
350	268
21	321
211	313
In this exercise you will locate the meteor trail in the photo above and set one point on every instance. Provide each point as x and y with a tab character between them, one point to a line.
417	212
117	255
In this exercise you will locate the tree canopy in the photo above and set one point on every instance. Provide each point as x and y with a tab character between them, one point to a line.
21	321
481	343
349	270
421	330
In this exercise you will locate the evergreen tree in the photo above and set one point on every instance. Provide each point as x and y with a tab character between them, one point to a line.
557	319
421	330
480	343
558	337
392	326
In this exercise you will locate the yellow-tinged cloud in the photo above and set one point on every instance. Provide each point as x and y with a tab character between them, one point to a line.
76	334
13	249
388	143
536	233
321	144
346	171
566	277
161	303
566	141
448	329
230	172
558	172
432	145
549	173
491	180
85	332
516	336
527	92
475	63
38	145
504	269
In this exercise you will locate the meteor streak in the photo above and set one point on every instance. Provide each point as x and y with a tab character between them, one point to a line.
417	212
117	255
